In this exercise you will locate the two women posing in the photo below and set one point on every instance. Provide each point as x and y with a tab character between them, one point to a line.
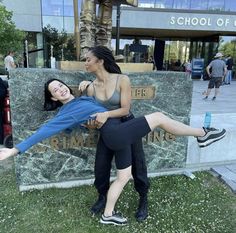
116	135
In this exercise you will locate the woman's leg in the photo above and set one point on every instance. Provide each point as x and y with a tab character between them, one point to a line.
139	173
123	161
162	121
116	188
117	136
102	170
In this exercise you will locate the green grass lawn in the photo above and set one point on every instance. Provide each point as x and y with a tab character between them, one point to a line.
177	204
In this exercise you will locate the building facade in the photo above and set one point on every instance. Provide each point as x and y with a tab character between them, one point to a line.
172	31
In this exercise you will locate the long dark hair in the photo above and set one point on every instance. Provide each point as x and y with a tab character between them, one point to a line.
49	104
102	52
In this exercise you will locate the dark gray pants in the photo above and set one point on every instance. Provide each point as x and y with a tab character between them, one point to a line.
104	155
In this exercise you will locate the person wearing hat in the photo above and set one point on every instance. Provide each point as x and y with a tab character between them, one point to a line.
217	74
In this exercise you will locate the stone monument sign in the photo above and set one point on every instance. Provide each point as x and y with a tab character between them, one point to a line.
69	157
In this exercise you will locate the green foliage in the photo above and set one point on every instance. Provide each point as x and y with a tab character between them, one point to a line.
63	45
176	205
11	38
228	48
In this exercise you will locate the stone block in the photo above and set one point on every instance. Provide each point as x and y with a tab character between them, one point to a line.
70	157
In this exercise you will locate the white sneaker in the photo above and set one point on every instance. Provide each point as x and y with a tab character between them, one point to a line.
212	135
115	219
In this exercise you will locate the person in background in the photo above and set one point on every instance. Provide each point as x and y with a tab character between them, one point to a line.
229	64
217	74
188	67
9	62
151	60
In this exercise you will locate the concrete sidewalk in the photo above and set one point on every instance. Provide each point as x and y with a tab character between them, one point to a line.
222	157
224	103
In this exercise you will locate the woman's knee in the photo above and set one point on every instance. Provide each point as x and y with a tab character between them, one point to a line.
124	175
155	119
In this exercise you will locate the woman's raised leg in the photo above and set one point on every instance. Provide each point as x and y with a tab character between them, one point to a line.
205	136
162	121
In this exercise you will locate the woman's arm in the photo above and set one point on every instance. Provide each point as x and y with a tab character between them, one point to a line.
52	127
84	85
6	153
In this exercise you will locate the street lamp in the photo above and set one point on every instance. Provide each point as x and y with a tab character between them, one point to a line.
76	25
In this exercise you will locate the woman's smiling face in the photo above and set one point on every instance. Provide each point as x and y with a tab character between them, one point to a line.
60	92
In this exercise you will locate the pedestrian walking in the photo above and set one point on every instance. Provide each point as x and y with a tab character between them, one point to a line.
9	62
218	71
229	64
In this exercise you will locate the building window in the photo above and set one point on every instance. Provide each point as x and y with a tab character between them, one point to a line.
52	7
216	5
230	5
69	8
199	5
59	7
146	3
54	21
181	4
164	4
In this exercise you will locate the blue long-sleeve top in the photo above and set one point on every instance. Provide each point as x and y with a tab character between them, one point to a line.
71	114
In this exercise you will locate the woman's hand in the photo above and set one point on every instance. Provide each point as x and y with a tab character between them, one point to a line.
100	118
83	85
6	153
91	124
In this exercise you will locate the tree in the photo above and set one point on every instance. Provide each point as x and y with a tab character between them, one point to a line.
11	38
61	42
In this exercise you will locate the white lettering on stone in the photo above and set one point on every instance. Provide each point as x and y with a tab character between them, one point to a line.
204	21
226	22
194	21
180	21
220	22
172	20
188	21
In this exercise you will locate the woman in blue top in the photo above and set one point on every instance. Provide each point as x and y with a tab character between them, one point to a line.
116	134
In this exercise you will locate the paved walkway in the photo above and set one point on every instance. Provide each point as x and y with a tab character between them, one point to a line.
224	103
227	174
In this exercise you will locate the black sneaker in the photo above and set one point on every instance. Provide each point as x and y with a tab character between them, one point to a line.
212	135
214	98
205	98
99	205
142	211
115	219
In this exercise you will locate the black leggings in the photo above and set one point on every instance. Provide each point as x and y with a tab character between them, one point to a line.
104	156
117	134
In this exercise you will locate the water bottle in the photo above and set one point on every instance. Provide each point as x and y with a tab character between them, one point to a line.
207	120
